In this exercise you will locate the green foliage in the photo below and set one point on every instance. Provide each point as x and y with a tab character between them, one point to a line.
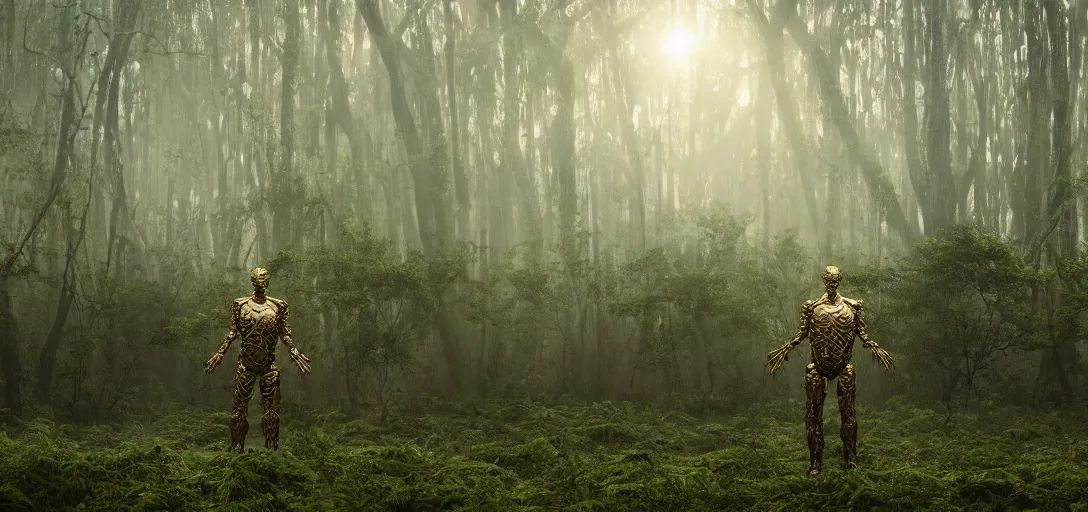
700	305
199	332
961	300
385	307
527	456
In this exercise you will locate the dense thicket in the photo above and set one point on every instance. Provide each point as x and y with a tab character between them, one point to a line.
495	198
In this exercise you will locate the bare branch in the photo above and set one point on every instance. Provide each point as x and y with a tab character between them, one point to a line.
28	49
413	10
165	51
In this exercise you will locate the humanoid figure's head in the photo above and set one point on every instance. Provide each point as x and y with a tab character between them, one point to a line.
259	277
832	277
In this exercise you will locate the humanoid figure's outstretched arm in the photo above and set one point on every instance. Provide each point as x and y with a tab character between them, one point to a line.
781	354
232	334
285	335
879	354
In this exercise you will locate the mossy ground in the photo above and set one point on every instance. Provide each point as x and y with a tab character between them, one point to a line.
528	456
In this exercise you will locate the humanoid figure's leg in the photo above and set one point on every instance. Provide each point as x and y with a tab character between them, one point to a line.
847	391
243	390
816	389
270	401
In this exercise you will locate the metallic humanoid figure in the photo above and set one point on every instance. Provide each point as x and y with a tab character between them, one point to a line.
261	322
830	323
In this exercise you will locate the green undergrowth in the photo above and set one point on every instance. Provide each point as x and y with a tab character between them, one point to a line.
528	456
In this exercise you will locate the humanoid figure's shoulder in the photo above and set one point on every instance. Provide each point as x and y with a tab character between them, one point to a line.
239	301
854	303
280	303
808	305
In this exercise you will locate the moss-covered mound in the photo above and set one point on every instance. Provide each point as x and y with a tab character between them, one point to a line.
526	456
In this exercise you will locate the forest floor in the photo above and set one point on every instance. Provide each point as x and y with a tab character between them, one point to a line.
528	456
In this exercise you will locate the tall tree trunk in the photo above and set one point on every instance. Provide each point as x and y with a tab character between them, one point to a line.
430	205
11	362
637	175
1062	207
880	186
283	184
976	171
563	131
341	108
915	170
514	166
120	225
940	186
434	135
764	99
7	38
407	131
221	219
771	31
47	360
256	80
1037	154
1062	204
460	180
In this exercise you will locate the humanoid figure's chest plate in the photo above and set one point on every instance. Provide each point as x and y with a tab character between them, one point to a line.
833	317
257	318
832	336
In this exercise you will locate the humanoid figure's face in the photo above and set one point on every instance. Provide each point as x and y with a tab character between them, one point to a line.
259	277
832	277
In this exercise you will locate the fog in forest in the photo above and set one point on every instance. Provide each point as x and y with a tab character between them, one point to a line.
590	217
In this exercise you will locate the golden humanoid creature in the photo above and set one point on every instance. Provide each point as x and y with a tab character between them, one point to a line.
261	322
830	323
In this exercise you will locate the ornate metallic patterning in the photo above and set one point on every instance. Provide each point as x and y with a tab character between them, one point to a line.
830	323
260	321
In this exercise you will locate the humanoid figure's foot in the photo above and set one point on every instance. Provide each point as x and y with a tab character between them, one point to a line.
238	448
851	464
815	469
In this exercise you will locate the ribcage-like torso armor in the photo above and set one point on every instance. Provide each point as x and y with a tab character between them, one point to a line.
832	327
260	326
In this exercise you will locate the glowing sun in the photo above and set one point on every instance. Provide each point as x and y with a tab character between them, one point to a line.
680	43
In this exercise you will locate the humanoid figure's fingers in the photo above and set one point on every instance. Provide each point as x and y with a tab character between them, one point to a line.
777	357
887	360
883	357
212	363
301	361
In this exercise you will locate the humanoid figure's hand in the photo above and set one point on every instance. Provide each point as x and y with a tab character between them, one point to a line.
212	363
777	357
301	361
882	356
